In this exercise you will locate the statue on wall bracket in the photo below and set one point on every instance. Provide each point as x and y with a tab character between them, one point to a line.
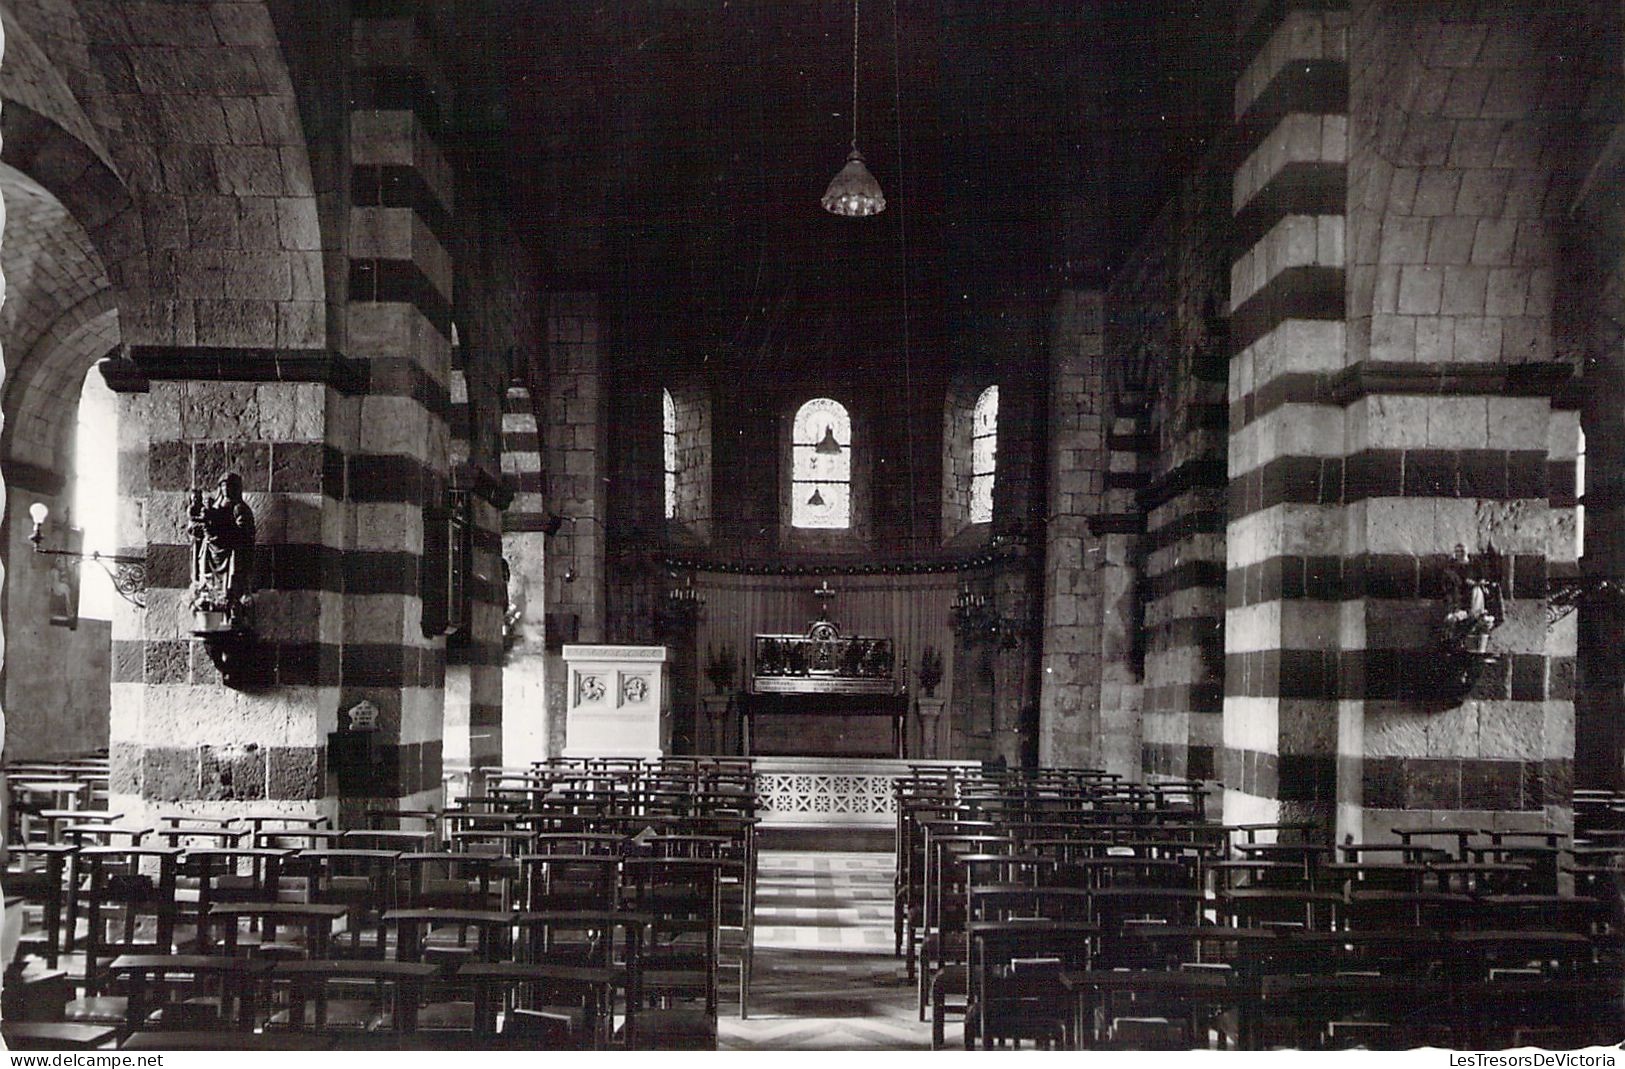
222	529
1473	608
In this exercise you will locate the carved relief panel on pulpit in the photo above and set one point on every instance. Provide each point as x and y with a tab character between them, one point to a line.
618	704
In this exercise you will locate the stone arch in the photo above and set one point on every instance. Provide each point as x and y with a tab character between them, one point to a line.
59	319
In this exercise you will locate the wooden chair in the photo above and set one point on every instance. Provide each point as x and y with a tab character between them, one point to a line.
542	1005
322	997
1021	939
210	875
196	992
37	874
250	929
1114	908
362	881
676	990
610	941
187	831
943	950
448	880
450	937
569	881
128	899
1281	907
1145	1008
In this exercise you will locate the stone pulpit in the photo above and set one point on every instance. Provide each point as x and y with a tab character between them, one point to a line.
617	703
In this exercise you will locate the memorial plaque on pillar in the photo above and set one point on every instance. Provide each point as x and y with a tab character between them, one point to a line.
617	701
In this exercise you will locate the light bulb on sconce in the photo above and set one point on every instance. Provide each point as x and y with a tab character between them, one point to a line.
38	512
569	575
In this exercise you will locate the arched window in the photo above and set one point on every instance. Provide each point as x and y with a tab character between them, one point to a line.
984	451
1579	497
821	466
668	428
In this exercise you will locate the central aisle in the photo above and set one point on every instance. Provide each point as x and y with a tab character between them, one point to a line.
825	975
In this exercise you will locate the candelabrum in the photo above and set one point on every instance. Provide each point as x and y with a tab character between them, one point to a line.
976	620
680	611
128	573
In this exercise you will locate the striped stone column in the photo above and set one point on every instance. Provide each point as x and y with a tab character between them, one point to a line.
524	545
474	654
183	738
1284	533
1120	566
1459	228
399	328
1184	563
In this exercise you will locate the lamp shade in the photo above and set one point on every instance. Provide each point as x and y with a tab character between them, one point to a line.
854	191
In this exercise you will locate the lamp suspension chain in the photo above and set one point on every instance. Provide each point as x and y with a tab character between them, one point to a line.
854	75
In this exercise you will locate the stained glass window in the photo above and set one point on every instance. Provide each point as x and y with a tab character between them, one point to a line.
668	426
821	466
984	455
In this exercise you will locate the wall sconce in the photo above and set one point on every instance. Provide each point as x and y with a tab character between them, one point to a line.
129	574
1569	593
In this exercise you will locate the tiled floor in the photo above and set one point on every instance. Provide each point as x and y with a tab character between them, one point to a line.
825	976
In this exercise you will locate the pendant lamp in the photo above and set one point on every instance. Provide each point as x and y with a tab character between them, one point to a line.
853	191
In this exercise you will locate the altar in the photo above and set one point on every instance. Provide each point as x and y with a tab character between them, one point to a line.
823	694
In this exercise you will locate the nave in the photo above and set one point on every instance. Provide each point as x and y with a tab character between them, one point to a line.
623	904
826	978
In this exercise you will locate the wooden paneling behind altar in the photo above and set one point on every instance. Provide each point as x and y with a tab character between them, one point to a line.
911	610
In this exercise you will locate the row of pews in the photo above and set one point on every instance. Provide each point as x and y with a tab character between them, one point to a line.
571	905
1068	909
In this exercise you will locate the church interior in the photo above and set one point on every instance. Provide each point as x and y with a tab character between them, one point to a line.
812	524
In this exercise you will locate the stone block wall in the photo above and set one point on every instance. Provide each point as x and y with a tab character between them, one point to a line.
399	323
575	457
1069	698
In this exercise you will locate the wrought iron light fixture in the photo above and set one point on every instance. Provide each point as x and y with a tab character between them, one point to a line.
129	574
681	611
853	191
976	619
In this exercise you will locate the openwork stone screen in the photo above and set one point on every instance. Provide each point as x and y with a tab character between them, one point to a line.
827	797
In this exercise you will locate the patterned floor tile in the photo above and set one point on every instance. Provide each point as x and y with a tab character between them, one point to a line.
825	977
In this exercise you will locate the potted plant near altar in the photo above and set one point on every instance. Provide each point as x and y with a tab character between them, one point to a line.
930	673
927	706
720	667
